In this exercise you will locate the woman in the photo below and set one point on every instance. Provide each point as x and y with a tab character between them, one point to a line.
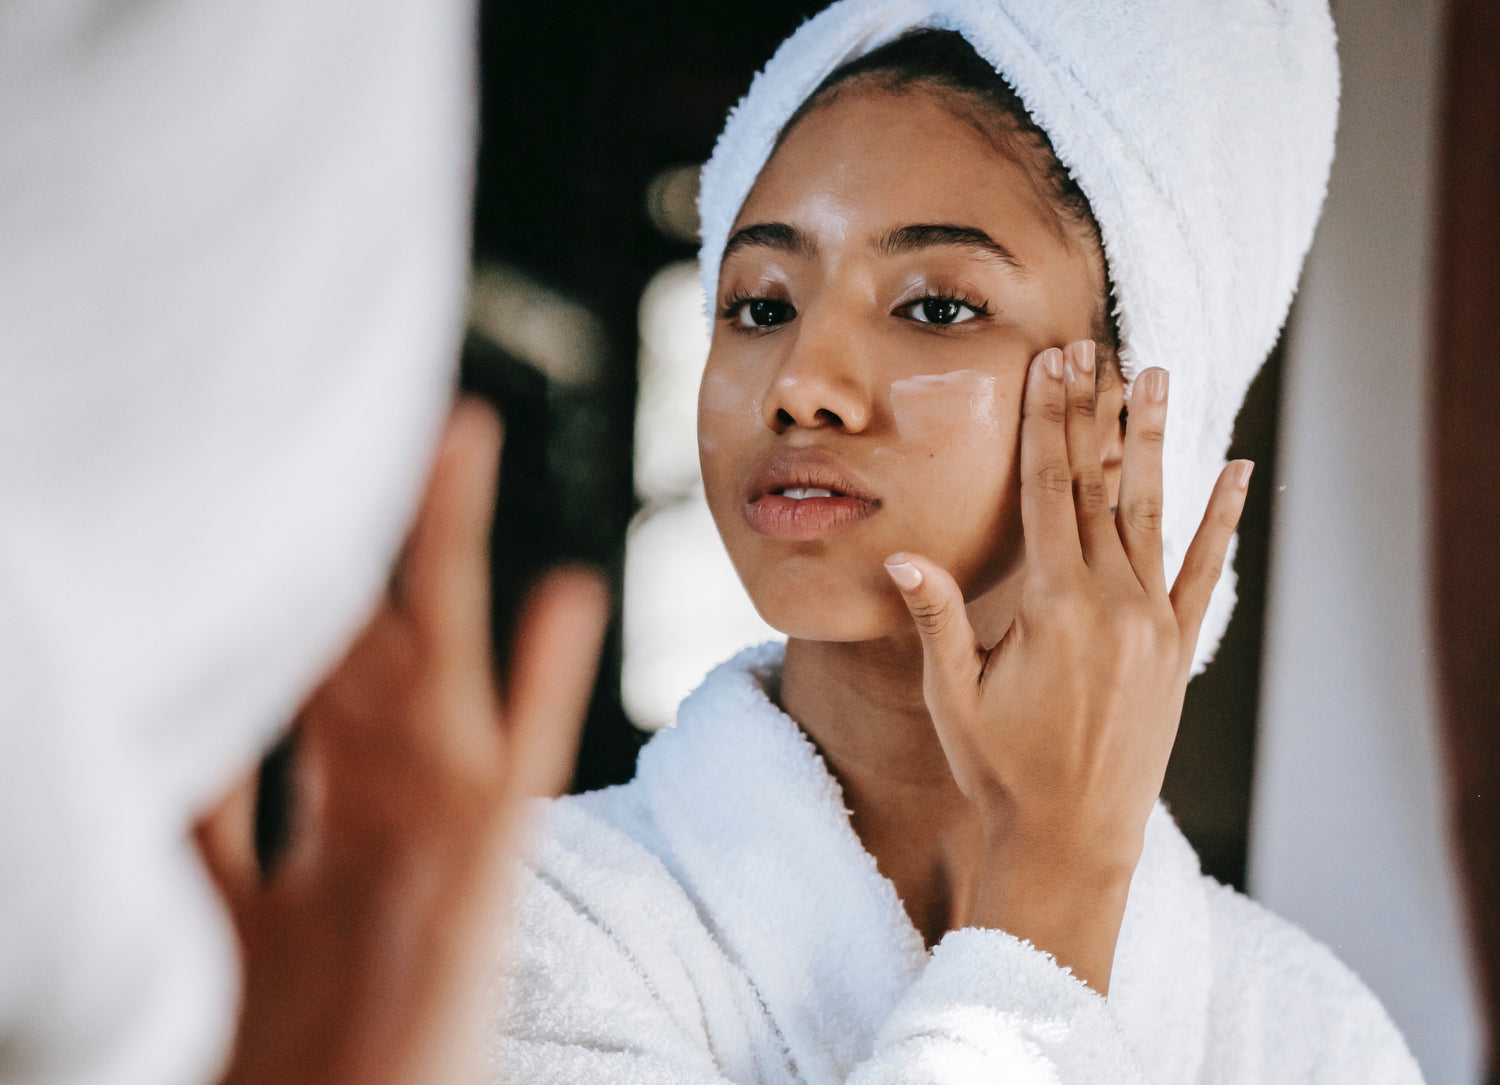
924	844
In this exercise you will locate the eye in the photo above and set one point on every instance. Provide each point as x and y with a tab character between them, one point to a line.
759	312
941	309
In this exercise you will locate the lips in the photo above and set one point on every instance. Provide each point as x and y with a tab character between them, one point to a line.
804	496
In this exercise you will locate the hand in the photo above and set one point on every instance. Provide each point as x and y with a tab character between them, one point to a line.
369	951
1060	733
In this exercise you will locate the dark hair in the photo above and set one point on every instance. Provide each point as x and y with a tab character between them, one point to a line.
944	61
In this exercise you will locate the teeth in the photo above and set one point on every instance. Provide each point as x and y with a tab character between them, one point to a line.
799	493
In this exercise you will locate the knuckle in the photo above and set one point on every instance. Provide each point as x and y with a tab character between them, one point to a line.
1051	410
1083	406
1227	520
1053	478
930	615
1150	433
1144	515
1091	492
1206	566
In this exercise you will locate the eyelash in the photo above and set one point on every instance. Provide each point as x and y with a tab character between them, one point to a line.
979	308
739	299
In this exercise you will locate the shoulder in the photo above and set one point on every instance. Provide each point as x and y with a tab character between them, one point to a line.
1287	1008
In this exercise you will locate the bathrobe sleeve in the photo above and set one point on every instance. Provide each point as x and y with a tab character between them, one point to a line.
618	975
991	1007
606	990
585	1007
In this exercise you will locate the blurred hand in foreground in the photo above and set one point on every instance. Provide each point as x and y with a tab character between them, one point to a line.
370	949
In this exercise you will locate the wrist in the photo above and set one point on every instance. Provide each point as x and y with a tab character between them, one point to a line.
1068	901
1090	859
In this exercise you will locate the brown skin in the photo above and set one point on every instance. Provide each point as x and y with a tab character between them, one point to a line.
1001	721
369	953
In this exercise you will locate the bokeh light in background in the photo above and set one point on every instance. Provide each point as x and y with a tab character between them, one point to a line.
685	610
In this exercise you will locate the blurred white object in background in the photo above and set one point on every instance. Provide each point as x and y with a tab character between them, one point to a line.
543	327
1350	829
231	288
674	348
685	610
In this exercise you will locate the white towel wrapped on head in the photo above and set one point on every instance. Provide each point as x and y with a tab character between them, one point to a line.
1201	132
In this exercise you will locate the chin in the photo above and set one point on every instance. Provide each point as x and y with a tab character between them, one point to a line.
860	613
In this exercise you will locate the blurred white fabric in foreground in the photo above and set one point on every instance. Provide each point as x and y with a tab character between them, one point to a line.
232	248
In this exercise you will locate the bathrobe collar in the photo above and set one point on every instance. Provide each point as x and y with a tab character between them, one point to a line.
757	828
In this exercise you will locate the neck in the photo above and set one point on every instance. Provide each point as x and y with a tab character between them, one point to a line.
862	705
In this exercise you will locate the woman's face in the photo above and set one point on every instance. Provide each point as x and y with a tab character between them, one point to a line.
885	286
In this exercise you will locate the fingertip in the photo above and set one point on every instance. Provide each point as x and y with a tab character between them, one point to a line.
1240	472
1151	386
473	419
552	670
578	590
1082	351
907	576
467	463
474	435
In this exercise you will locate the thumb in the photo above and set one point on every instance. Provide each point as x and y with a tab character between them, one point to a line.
950	652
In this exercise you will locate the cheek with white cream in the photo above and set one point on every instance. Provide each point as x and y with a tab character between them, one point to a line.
725	406
927	410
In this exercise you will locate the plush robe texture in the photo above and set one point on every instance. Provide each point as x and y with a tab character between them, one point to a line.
717	920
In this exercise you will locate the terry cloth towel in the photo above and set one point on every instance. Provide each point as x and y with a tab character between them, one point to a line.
233	244
717	920
1201	132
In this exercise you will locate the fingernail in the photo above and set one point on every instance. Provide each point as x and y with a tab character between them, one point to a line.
1153	385
1243	469
1052	361
906	575
1083	355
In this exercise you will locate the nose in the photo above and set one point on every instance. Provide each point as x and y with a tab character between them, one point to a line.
820	383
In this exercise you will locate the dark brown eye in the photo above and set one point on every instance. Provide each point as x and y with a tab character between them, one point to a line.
763	313
939	310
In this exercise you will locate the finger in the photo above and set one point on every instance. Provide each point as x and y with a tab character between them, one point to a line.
952	660
1139	515
445	579
551	678
1205	556
1047	517
1096	530
225	836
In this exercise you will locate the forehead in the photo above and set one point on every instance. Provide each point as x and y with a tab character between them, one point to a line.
873	156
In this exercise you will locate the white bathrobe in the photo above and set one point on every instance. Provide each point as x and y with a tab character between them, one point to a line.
717	920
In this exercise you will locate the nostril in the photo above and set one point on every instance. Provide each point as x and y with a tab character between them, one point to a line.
828	417
784	418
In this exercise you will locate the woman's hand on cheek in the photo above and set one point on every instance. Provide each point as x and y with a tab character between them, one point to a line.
1060	733
370	950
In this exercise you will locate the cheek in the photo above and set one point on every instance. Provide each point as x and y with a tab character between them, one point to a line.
955	453
931	412
728	412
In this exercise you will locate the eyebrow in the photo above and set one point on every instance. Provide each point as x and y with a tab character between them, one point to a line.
905	239
783	237
770	235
